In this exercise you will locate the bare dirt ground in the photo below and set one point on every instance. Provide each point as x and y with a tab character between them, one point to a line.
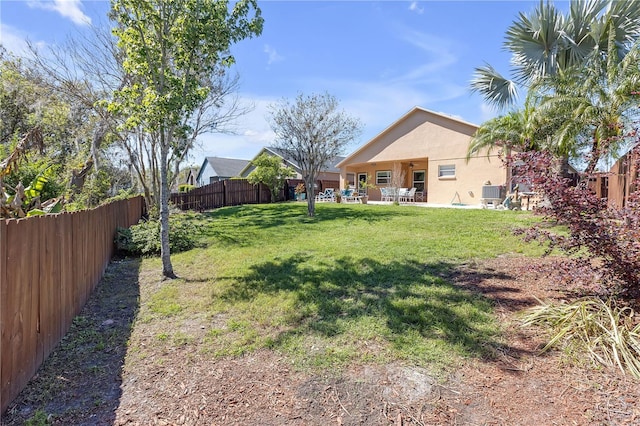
79	385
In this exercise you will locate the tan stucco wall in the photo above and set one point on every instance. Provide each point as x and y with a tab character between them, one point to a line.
428	140
466	187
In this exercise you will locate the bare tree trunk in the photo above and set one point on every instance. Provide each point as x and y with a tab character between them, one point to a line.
167	267
78	178
311	198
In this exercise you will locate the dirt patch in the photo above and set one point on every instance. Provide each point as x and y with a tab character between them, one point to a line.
91	379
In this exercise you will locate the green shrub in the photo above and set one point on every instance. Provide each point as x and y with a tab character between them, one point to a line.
144	238
185	187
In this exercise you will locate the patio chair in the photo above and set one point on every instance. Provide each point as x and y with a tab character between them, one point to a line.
402	194
409	196
328	195
386	194
349	196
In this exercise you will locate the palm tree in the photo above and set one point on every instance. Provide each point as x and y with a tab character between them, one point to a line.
546	42
518	130
594	104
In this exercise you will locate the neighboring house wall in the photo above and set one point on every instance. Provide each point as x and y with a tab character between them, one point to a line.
436	144
207	175
215	169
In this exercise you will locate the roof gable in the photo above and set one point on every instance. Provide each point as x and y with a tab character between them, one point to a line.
427	116
271	150
224	167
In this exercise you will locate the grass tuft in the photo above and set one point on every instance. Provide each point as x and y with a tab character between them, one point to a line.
602	329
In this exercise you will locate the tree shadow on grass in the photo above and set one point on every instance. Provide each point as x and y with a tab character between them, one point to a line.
269	216
80	382
415	302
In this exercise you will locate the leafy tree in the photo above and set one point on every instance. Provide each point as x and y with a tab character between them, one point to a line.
579	70
545	42
270	171
594	105
36	139
88	70
312	132
171	48
515	130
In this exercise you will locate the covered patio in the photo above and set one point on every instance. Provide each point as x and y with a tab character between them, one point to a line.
372	178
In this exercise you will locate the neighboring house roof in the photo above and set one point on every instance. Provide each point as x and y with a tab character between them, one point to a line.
223	167
331	168
399	121
192	171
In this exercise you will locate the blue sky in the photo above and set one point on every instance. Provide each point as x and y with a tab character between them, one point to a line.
379	58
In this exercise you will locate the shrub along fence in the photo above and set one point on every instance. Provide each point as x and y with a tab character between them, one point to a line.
234	192
49	265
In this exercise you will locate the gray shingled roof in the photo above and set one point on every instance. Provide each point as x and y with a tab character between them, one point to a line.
331	166
227	167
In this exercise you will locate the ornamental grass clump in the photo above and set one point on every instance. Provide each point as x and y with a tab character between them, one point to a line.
603	329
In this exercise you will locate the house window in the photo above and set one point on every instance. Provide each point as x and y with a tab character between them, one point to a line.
362	180
351	179
383	177
447	171
418	180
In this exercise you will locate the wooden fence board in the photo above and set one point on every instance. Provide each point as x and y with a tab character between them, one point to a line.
49	266
234	192
4	329
17	306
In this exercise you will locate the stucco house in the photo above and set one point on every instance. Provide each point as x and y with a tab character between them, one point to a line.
215	169
429	151
330	173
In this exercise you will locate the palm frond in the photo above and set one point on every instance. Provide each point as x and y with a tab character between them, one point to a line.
535	41
494	88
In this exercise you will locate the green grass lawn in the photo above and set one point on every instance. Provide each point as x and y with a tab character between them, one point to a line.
355	284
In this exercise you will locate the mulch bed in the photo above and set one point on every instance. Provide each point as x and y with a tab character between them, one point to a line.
182	386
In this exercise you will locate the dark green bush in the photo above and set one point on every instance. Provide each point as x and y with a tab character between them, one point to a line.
144	238
185	187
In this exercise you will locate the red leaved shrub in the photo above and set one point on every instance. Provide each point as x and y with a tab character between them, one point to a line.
602	242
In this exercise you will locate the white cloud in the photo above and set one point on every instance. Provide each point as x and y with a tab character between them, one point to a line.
15	41
71	9
438	51
273	56
415	8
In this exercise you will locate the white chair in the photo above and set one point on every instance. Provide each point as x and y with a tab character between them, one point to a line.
328	195
386	194
402	194
410	196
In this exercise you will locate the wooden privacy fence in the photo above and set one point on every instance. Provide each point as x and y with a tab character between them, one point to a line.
618	183
234	192
49	265
231	192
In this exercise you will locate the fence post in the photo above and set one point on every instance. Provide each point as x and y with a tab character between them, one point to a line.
3	269
224	192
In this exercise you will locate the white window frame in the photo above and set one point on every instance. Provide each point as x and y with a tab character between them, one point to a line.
381	179
447	171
